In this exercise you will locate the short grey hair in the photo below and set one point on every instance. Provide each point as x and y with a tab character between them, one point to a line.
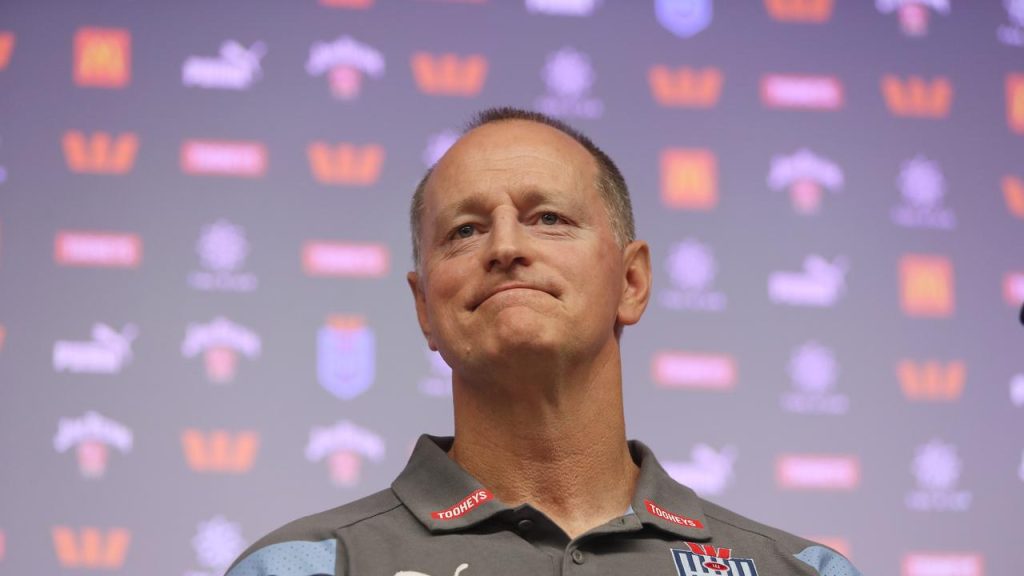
610	182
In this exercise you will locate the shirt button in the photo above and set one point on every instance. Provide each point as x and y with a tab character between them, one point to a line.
577	556
525	525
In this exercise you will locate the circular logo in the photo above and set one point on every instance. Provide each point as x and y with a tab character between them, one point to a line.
691	265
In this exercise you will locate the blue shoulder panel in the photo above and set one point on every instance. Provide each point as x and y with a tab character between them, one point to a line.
827	562
295	558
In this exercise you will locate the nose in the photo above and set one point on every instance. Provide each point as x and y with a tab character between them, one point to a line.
507	243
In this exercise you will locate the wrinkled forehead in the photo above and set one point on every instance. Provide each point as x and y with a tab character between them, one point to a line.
508	157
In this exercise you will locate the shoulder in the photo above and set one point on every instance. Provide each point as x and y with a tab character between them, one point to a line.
825	560
309	546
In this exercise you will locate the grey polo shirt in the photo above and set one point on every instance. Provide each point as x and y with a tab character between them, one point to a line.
437	520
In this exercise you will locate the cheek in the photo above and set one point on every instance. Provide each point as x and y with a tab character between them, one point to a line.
445	298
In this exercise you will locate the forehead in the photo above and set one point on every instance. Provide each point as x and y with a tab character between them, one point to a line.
510	156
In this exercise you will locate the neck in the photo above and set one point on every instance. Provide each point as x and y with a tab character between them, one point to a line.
558	444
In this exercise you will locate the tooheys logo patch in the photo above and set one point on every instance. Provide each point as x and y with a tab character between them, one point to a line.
656	510
468	503
705	560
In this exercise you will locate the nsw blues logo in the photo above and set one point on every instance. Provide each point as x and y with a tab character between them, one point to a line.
684	18
704	560
345	357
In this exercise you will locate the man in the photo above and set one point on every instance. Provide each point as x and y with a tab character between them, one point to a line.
526	271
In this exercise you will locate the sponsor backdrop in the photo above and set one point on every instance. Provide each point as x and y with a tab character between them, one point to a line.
205	329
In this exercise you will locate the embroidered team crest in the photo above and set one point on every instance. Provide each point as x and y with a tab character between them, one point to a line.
704	560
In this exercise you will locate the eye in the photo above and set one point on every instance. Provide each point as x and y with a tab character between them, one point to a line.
464	231
550	218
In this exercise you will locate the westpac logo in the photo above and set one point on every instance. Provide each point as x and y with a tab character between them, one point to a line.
817	472
345	260
100	152
234	68
692	268
685	87
1013	193
6	48
91	547
801	92
217	542
220	342
932	380
1013	288
107	353
1012	34
345	446
813	370
97	249
942	564
243	159
345	356
439	382
801	11
926	286
345	163
449	74
222	249
92	436
1015	102
917	98
708	472
580	8
820	284
689	179
684	18
923	188
569	78
678	369
345	62
914	15
806	176
220	451
937	469
102	57
437	144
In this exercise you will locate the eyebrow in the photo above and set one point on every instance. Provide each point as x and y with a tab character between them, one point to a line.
477	203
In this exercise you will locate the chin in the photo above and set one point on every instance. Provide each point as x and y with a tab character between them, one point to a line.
523	343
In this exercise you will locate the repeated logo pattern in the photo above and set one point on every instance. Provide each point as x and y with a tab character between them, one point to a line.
205	329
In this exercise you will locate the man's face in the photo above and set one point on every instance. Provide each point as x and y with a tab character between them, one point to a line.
519	261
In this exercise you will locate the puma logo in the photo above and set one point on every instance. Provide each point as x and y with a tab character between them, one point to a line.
414	573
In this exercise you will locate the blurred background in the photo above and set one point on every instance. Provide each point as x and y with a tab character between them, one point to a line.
205	329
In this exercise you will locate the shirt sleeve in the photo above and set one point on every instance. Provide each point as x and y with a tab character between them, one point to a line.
827	562
291	558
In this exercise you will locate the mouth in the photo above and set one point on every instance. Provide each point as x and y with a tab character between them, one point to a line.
505	288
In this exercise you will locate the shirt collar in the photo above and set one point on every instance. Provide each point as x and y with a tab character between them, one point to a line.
439	493
661	502
446	498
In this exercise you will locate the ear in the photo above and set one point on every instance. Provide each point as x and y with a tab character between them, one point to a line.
413	278
636	282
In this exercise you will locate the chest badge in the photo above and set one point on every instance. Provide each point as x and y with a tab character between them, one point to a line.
705	560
